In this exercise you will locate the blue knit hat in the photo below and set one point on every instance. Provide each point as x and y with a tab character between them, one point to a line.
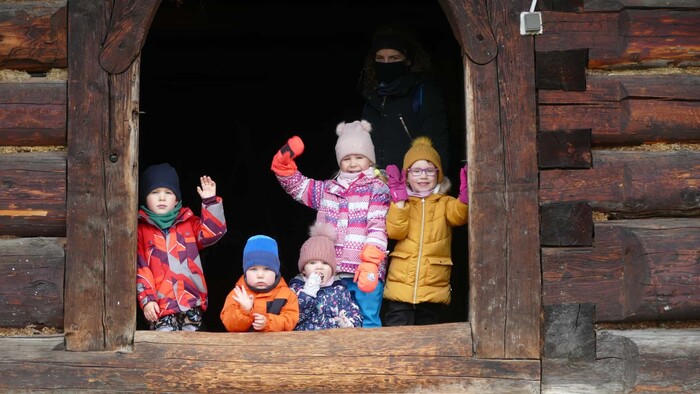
261	250
160	175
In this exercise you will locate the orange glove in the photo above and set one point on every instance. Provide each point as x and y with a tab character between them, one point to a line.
367	274
283	163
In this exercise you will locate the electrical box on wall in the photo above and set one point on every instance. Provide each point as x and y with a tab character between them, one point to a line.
530	23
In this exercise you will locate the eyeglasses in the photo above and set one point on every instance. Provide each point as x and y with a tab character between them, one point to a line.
428	171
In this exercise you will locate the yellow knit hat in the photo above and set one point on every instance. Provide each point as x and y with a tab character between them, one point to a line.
422	149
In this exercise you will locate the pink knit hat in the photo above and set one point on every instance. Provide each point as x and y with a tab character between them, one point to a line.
354	138
321	246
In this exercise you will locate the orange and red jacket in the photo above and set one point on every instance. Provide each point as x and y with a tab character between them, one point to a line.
169	268
237	319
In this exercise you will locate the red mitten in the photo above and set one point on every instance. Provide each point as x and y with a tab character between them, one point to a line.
463	185
283	162
367	274
396	183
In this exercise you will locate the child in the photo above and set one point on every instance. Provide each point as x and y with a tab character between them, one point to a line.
261	300
421	218
323	301
355	202
170	281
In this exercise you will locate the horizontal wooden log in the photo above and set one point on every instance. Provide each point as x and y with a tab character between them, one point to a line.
33	194
435	358
616	5
630	184
628	39
33	113
631	361
636	270
31	281
627	109
602	88
34	35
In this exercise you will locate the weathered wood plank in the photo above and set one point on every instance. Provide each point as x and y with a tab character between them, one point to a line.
627	109
564	149
87	218
629	184
565	70
487	217
630	38
519	130
131	20
33	113
31	281
616	5
33	35
569	332
636	270
469	22
631	361
33	194
122	201
566	224
602	88
404	359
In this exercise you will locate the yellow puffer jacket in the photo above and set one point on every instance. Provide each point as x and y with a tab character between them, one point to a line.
421	263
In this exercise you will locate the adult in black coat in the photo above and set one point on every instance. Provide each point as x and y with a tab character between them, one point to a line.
401	101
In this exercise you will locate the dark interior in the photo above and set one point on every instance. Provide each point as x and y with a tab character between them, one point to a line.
225	83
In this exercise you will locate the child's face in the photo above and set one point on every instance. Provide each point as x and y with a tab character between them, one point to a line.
161	200
354	163
422	182
260	277
323	269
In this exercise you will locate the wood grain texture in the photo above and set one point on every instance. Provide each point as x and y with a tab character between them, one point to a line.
566	224
630	184
627	39
630	361
33	194
627	109
518	129
564	149
469	22
129	26
33	35
31	281
616	5
397	359
87	219
636	270
33	113
121	180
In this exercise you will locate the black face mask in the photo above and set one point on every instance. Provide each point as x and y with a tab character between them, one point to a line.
390	72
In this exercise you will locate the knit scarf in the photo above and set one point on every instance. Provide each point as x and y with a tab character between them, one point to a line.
347	178
164	220
422	194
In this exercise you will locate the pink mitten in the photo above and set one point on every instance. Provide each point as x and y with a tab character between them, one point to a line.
464	185
283	162
396	183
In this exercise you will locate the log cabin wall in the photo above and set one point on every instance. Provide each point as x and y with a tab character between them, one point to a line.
619	126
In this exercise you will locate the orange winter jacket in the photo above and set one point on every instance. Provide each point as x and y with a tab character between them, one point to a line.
237	319
169	267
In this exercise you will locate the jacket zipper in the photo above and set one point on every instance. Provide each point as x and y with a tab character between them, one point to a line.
405	128
420	250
